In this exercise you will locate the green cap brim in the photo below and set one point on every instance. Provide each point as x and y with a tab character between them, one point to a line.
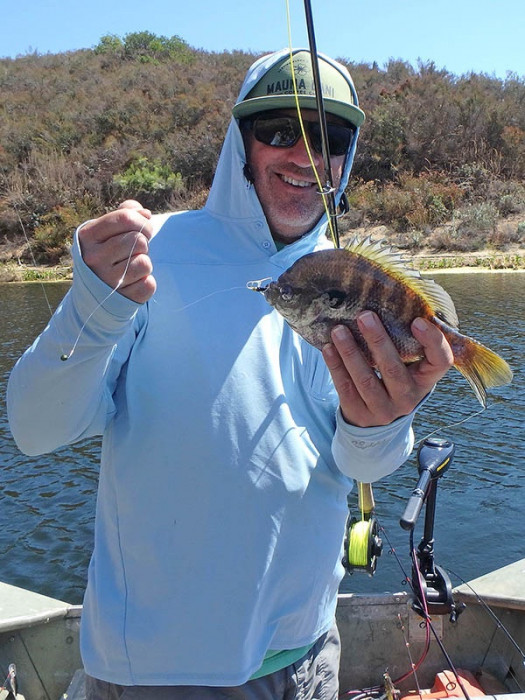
276	88
255	105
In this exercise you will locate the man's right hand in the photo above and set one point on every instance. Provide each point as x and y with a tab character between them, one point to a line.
117	243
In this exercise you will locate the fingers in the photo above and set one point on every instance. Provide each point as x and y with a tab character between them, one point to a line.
115	223
115	247
356	383
437	350
368	398
439	357
333	356
132	262
365	398
140	290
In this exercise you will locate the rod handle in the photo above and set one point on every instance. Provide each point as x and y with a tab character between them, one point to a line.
365	497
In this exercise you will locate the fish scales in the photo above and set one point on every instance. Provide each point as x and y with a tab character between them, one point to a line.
332	287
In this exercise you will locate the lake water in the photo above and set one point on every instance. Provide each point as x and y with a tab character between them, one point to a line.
47	503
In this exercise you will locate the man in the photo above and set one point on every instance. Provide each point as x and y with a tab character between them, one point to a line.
229	447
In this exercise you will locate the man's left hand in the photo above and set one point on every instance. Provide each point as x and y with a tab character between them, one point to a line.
367	399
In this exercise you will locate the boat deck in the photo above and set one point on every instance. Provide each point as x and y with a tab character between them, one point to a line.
40	635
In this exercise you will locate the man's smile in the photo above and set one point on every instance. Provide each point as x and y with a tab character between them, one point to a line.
294	182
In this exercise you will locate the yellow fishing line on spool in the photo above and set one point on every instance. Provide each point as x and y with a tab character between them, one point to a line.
303	131
359	535
358	545
363	545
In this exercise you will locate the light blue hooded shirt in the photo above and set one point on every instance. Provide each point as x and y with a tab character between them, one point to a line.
225	463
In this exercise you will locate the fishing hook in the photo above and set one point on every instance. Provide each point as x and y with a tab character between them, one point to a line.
257	285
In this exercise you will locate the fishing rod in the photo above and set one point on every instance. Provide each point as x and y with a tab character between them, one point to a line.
328	189
362	542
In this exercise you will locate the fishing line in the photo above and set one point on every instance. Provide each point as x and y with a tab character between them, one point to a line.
42	286
325	147
413	666
358	543
66	356
393	551
492	614
452	425
322	190
181	308
212	294
428	621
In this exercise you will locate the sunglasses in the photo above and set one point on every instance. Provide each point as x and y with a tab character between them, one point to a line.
284	132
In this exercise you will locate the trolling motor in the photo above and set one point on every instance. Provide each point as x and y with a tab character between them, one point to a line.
429	581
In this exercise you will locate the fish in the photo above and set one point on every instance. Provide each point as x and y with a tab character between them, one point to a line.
332	287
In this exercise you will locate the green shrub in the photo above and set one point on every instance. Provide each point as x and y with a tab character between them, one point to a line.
109	44
145	47
151	182
410	203
54	232
73	123
451	239
478	217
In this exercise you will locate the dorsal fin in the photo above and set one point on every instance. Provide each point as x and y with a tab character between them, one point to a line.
393	263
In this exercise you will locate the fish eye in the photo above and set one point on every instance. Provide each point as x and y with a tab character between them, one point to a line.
286	292
335	298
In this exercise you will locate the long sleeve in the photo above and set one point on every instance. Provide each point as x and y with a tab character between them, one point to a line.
369	454
52	402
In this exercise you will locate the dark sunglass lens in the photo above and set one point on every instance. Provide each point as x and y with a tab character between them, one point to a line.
279	132
339	138
284	132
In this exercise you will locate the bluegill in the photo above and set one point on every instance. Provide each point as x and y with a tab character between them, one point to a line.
331	287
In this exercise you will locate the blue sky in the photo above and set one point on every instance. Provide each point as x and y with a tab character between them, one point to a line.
483	36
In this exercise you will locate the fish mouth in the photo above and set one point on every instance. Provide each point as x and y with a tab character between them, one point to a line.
273	292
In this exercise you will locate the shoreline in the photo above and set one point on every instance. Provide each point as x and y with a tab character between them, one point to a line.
469	270
424	261
482	261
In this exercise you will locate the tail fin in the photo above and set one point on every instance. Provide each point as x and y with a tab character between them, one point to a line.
480	366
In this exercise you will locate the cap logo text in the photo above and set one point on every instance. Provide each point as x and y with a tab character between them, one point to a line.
286	86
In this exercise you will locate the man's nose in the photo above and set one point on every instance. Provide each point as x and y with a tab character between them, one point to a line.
299	153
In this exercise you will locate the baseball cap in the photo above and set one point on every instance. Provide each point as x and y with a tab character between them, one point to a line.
275	89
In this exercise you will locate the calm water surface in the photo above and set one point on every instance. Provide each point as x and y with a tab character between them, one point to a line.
48	502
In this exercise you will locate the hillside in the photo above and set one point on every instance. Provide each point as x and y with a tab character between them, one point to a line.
440	163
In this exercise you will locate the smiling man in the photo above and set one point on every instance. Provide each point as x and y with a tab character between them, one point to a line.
229	443
268	116
284	176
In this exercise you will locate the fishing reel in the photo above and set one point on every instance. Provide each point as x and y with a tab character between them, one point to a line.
362	545
430	583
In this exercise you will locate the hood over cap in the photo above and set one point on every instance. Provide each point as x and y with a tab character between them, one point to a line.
270	86
231	193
